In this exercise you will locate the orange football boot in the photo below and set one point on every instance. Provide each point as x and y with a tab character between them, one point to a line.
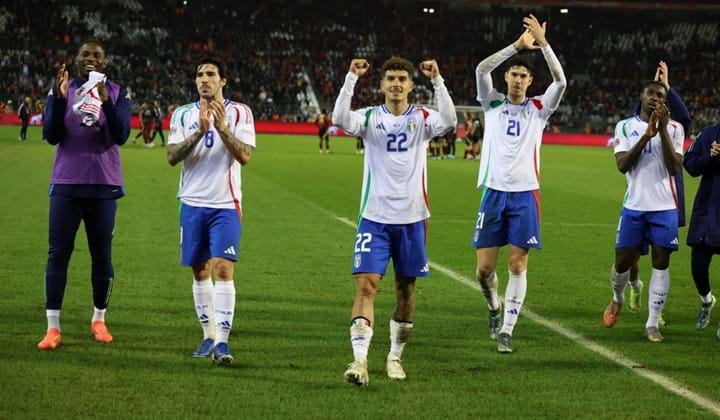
611	314
51	341
99	330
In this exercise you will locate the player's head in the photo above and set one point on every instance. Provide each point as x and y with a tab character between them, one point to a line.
210	77
90	57
653	94
518	76
396	82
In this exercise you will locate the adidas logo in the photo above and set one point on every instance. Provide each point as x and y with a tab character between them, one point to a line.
512	311
532	241
230	251
224	325
204	319
425	269
634	133
380	126
674	241
193	126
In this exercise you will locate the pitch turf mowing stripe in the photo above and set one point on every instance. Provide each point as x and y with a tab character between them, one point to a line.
665	382
711	406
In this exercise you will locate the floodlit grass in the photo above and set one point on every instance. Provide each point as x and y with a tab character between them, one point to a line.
294	293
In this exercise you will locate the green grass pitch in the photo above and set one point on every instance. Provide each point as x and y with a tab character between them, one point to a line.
294	293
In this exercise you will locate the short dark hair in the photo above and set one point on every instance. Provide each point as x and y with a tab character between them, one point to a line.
655	83
519	62
217	62
397	63
92	41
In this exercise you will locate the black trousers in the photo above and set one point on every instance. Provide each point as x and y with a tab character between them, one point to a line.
65	216
700	265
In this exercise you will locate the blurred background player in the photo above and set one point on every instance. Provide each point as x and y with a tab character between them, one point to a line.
85	184
648	150
394	207
212	138
359	146
323	123
449	141
158	129
703	159
679	113
147	117
509	174
24	113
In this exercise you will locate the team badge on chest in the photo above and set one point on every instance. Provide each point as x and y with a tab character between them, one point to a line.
411	126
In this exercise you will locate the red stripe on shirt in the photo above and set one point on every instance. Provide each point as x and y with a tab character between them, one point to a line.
536	194
674	194
235	200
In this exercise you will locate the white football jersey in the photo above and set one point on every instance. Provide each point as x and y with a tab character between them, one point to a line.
210	175
394	187
510	157
650	185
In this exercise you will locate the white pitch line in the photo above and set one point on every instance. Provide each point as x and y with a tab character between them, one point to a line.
591	345
471	222
665	382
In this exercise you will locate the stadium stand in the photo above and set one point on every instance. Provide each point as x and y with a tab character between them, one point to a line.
288	59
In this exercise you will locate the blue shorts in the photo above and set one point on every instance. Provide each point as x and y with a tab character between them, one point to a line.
642	228
508	218
376	242
208	233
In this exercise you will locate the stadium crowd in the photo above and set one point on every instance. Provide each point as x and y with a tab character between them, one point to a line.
281	54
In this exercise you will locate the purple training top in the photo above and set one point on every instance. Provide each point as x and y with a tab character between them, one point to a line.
87	155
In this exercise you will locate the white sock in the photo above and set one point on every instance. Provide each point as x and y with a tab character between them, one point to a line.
224	302
489	289
618	281
360	337
203	297
98	314
636	284
657	295
707	298
514	297
399	336
53	318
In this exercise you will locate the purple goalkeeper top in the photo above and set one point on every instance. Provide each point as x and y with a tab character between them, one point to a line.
88	155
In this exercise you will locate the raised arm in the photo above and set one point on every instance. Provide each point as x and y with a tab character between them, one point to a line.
553	94
351	122
446	117
485	67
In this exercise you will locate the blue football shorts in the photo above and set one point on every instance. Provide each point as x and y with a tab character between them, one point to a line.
508	218
376	243
642	228
208	233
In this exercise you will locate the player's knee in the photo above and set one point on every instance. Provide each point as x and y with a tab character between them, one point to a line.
366	287
59	255
660	262
224	270
485	271
517	265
